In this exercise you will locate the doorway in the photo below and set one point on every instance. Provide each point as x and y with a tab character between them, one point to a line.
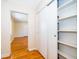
19	24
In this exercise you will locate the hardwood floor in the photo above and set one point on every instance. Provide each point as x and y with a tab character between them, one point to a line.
28	55
19	50
6	57
19	43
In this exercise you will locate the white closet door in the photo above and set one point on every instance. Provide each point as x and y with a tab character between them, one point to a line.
48	31
52	29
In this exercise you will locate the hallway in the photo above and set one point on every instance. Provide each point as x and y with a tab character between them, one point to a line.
39	29
19	50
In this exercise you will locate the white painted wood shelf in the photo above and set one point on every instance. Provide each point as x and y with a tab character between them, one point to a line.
67	17
66	4
65	55
68	44
68	31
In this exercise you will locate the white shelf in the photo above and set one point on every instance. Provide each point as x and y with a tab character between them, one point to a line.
68	31
67	17
67	44
66	4
65	55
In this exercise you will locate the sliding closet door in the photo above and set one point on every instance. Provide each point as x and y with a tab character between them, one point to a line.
48	31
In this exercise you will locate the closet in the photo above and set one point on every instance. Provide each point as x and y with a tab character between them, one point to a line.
56	29
67	29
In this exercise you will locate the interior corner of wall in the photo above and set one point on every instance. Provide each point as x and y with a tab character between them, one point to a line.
5	54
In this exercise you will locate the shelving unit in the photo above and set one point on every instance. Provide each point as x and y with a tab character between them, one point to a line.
67	29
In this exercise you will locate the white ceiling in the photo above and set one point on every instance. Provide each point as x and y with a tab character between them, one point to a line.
30	3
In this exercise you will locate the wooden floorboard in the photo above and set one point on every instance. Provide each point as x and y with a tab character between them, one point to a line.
6	57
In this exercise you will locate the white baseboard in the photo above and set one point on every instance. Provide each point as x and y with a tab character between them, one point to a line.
5	55
32	49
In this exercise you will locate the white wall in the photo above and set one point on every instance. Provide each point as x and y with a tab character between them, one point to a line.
5	30
6	24
21	29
